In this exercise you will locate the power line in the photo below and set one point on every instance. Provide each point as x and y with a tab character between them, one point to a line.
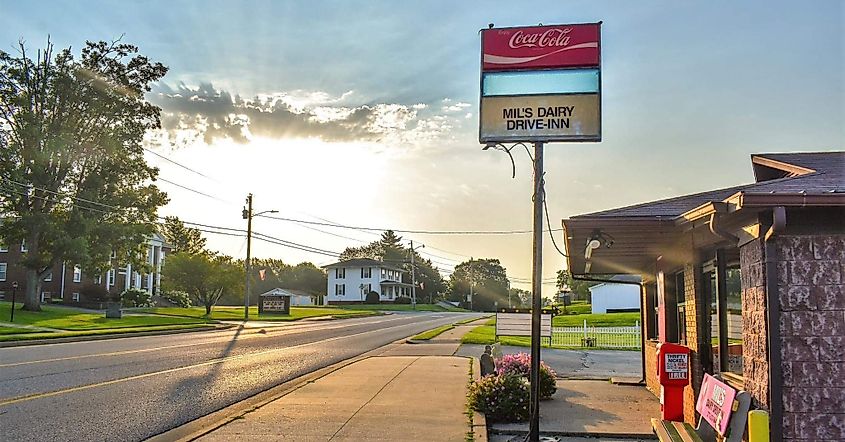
407	231
179	164
194	190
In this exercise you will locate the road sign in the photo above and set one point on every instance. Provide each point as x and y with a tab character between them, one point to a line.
541	84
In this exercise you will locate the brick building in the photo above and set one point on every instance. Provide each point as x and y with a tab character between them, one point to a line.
751	278
68	283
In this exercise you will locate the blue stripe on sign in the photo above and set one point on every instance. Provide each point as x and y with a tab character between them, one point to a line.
568	81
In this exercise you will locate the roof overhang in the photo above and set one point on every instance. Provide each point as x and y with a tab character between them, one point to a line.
628	245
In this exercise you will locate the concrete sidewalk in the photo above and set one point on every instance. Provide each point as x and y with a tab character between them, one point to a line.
392	398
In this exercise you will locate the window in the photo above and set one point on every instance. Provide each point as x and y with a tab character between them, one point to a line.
366	288
339	290
75	296
23	246
3	246
113	254
99	279
110	277
722	284
681	300
366	272
383	273
340	273
77	274
3	267
2	295
45	296
49	276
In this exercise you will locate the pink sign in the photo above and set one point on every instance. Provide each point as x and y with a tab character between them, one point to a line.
715	403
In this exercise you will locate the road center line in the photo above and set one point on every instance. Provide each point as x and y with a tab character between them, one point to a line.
188	367
251	335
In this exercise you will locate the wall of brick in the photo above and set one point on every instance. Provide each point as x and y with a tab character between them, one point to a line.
755	351
693	307
651	381
811	289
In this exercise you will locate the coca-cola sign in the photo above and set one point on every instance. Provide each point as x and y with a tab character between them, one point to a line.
540	47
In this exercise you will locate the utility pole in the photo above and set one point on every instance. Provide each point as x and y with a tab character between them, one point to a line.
414	276
536	295
247	214
413	279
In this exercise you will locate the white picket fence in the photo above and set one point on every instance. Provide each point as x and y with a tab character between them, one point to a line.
601	337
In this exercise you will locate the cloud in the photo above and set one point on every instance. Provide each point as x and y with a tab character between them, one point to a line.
203	113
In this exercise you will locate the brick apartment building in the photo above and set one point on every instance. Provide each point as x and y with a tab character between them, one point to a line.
751	278
67	282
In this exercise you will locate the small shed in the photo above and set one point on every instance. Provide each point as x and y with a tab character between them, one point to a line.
613	298
297	297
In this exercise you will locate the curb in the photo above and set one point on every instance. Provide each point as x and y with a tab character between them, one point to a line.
479	420
210	422
83	338
581	434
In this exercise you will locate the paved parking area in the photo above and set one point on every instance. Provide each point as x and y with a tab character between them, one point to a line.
595	408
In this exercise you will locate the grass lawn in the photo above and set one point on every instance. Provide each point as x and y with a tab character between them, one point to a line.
426	335
228	313
486	334
580	308
402	307
29	334
597	320
75	320
14	331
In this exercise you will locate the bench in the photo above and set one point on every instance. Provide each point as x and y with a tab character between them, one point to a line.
723	410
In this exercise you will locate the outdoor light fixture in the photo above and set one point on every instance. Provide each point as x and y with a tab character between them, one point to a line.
592	244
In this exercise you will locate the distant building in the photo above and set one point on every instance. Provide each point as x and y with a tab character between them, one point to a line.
67	281
613	298
349	281
297	297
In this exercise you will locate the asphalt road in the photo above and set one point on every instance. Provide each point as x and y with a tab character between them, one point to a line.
132	388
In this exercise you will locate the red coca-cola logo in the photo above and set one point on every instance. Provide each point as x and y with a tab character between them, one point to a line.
541	47
555	37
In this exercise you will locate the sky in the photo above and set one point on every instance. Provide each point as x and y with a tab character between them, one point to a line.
364	113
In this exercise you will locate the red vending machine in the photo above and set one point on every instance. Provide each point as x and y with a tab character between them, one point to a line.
673	371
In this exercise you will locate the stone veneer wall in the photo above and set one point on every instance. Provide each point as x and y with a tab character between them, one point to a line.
755	349
811	286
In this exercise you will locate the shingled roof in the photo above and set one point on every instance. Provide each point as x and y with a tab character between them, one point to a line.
808	173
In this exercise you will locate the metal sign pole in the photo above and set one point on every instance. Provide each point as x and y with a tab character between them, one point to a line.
536	295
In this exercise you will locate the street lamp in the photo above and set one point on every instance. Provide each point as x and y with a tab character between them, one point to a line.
248	215
14	293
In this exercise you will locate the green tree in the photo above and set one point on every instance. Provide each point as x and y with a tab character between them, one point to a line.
206	278
74	183
183	239
487	279
579	289
519	298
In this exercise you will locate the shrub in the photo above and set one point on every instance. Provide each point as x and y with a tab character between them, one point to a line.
501	397
402	300
94	292
520	365
177	298
372	298
136	298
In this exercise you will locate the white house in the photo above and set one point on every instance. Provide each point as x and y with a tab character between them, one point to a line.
297	297
349	281
608	297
